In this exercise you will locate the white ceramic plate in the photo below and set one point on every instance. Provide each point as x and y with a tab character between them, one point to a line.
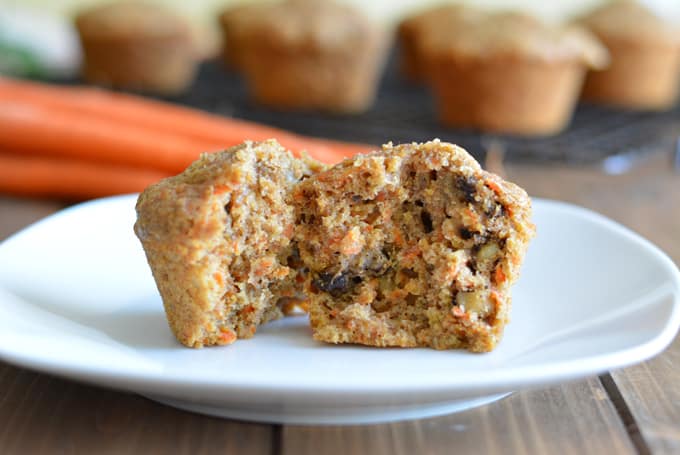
77	300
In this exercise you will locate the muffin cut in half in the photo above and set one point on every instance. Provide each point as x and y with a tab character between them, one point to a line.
218	240
414	245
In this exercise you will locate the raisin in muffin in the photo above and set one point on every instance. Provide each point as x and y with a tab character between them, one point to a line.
414	245
309	54
140	46
508	72
645	58
218	240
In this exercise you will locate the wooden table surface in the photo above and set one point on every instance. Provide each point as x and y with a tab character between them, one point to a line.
635	409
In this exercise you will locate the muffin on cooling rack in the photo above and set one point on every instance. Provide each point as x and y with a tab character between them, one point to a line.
645	58
308	54
233	22
414	245
508	72
412	28
141	46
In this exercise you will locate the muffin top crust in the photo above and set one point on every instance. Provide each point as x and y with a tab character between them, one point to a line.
308	24
474	33
127	18
628	20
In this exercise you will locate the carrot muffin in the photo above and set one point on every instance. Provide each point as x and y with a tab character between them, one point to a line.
410	30
414	245
645	58
218	240
508	72
141	46
310	54
232	23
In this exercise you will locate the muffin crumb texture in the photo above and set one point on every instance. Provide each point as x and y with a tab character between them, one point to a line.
414	245
218	240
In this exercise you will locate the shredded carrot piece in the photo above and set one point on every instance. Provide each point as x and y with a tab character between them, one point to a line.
288	231
398	239
493	186
458	312
352	242
227	336
249	309
235	176
263	266
281	272
499	275
411	253
397	294
220	189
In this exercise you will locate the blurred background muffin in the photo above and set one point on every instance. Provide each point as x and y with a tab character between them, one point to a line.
410	31
233	22
309	54
507	72
645	57
140	46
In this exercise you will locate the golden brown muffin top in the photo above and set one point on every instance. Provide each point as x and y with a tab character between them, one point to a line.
176	207
124	19
439	16
240	14
630	21
315	24
469	32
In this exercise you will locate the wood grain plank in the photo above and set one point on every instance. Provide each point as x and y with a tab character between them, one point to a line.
42	414
17	213
646	200
573	418
653	396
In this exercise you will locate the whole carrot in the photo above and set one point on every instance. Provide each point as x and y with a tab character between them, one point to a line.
166	117
144	112
73	179
40	131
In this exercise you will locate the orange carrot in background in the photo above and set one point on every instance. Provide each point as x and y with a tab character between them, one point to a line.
39	131
165	117
123	108
345	149
74	179
80	143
